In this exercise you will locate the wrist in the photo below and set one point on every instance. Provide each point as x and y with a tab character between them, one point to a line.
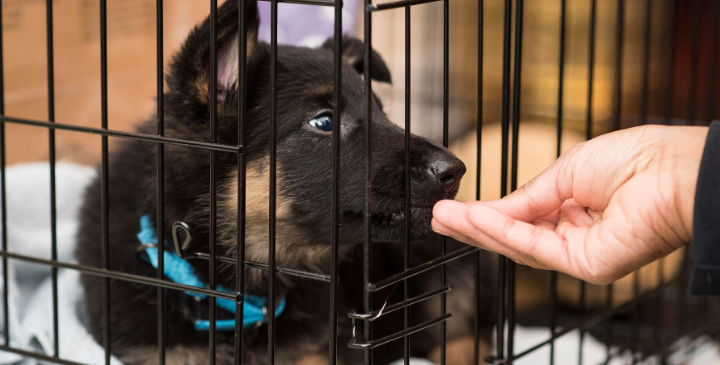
684	151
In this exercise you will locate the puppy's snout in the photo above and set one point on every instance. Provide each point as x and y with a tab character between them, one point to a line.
447	170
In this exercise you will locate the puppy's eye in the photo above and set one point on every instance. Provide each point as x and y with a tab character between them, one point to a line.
323	123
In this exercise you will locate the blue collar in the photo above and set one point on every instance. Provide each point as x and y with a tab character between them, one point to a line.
181	272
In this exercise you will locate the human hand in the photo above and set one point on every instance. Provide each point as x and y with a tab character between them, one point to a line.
605	208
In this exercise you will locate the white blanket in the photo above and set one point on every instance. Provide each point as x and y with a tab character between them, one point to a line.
28	230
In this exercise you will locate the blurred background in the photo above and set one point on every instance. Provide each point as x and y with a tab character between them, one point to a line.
131	63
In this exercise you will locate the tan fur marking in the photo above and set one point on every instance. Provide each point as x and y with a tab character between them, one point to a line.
201	88
320	89
178	355
460	351
316	359
293	248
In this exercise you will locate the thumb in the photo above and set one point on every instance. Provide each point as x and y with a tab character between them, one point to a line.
542	195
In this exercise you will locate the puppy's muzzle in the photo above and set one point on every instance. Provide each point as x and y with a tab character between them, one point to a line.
446	171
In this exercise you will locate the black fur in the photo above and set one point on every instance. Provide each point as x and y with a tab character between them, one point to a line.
305	84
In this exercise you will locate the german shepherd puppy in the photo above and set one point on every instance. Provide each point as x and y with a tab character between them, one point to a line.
304	124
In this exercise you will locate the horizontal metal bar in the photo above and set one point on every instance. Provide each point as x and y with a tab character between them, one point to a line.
711	326
293	272
397	4
406	303
585	323
666	346
393	337
38	356
122	276
373	287
126	135
308	2
263	266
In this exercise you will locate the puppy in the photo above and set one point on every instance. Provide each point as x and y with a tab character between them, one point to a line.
304	124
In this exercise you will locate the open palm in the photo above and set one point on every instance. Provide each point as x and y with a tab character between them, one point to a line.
603	209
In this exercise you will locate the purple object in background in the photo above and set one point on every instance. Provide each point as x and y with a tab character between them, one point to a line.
306	25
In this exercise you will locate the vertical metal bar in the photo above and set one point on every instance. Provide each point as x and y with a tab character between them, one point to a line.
213	178
591	72
646	63
476	259
273	180
581	309
406	246
335	234
104	179
160	98
694	59
3	195
668	100
608	323
553	312
51	158
634	335
517	85
500	341
670	81
620	26
561	78
367	244
659	304
517	90
588	136
446	120
618	63
714	60
558	151
242	177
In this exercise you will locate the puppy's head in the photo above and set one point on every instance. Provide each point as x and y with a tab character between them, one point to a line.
304	120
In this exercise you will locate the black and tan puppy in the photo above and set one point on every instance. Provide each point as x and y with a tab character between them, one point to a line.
304	124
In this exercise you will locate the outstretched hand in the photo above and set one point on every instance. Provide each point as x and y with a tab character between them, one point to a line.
605	208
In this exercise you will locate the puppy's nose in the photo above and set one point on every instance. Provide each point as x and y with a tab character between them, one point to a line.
448	170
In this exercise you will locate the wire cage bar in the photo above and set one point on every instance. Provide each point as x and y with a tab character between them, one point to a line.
623	327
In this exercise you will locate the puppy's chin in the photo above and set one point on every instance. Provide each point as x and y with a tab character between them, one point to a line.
390	227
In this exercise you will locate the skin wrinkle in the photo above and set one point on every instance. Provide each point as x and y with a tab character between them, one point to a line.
678	190
667	238
671	203
535	235
535	207
603	244
676	204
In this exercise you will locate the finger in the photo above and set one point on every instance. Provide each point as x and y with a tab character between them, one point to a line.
449	219
543	195
447	231
576	214
521	241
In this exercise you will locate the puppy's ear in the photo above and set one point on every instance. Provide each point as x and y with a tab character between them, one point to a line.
353	51
189	76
